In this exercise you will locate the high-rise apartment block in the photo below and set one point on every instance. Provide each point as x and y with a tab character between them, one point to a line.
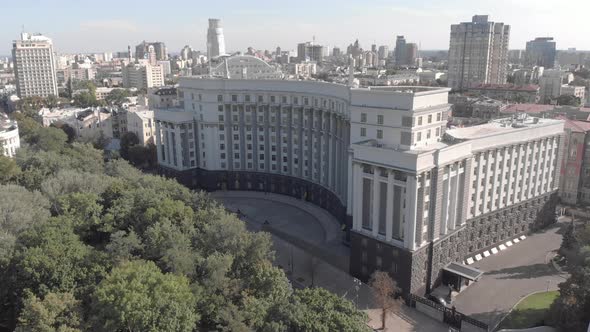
143	76
215	39
383	52
405	53
478	53
541	52
309	51
34	66
158	51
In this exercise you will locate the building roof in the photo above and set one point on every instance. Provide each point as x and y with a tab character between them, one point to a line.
166	92
463	271
509	87
499	126
575	125
528	108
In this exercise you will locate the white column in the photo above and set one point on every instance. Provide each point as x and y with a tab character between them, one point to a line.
178	147
375	203
350	183
411	200
158	143
357	196
389	203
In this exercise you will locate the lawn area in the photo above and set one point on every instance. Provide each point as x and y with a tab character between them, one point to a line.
530	312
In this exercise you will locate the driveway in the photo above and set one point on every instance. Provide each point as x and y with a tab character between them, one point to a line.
511	275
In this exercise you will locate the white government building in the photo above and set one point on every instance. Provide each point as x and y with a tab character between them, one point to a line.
9	138
417	199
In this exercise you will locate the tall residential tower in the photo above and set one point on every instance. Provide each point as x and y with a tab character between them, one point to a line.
478	53
34	65
215	39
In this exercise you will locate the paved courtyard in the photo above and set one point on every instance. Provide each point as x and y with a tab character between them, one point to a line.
511	275
311	224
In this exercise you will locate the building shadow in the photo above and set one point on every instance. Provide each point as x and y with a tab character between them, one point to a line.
525	272
492	318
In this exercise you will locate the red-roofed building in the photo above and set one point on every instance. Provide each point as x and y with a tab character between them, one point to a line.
508	92
574	183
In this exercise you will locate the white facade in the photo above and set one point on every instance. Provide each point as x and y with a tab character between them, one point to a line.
143	76
9	138
383	152
141	123
478	53
34	66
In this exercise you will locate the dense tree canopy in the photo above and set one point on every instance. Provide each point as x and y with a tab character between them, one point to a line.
92	245
571	310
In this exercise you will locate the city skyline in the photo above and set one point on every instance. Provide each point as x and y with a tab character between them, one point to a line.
112	26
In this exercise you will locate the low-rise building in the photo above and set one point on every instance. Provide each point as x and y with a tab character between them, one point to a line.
140	121
87	122
576	91
574	184
166	97
508	92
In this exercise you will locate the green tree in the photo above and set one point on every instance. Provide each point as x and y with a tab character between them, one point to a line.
118	97
85	99
317	309
137	296
55	312
27	126
571	310
70	132
52	258
128	140
9	170
568	100
48	139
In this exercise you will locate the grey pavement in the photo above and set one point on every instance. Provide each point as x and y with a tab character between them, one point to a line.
311	223
511	275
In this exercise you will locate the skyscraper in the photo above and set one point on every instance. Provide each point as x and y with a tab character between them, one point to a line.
478	53
383	52
541	52
34	66
142	50
310	52
400	50
215	39
411	54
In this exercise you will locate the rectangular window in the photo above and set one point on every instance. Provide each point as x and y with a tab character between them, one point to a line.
363	132
419	120
407	121
219	97
379	119
418	136
363	117
429	118
379	133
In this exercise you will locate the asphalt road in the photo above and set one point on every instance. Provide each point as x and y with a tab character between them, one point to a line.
512	274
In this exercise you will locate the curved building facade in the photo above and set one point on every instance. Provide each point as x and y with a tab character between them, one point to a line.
414	197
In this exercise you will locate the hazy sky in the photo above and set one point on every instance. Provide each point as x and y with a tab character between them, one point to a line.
109	25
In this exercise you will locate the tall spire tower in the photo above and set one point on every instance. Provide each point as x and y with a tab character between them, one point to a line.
215	39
